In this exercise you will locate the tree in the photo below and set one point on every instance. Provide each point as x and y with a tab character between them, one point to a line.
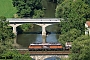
70	36
59	1
38	14
15	55
81	48
6	35
88	15
55	1
24	28
26	7
73	12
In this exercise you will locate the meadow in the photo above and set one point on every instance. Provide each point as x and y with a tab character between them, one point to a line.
7	9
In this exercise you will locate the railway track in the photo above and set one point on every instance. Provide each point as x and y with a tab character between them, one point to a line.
44	52
26	51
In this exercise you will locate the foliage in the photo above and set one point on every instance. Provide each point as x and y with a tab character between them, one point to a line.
38	14
55	1
26	7
70	36
7	9
15	55
6	40
6	35
81	48
59	1
74	13
26	27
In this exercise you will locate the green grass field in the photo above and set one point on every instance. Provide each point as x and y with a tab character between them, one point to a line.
6	59
7	9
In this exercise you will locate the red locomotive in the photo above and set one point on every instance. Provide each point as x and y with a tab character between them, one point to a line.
45	46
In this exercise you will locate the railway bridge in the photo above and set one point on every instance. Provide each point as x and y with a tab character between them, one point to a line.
15	22
41	55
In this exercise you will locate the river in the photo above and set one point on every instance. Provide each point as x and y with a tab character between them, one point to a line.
34	35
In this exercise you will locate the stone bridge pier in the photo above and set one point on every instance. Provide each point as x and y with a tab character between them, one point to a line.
44	31
15	31
14	28
43	57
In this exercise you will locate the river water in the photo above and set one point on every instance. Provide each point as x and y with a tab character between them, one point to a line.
34	34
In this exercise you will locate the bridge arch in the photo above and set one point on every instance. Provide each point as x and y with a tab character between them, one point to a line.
53	58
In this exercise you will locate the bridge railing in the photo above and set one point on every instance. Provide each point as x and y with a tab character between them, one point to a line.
24	20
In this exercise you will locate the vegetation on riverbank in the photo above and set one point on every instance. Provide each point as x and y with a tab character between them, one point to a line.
14	55
6	42
6	35
28	8
75	14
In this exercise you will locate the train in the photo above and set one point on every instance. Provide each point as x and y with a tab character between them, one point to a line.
48	47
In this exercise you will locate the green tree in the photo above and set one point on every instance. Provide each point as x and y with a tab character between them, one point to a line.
26	27
73	12
6	35
26	7
70	36
81	48
59	1
55	1
38	14
15	55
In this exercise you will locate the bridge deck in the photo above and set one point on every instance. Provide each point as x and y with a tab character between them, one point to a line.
23	20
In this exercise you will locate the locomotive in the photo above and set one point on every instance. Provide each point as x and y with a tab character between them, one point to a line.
48	47
45	46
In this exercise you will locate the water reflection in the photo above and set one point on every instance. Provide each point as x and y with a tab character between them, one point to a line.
51	38
39	38
25	39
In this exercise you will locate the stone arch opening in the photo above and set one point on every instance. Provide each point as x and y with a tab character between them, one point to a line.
53	27
52	58
45	57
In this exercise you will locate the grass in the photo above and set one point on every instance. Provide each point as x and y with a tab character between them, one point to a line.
5	59
7	9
